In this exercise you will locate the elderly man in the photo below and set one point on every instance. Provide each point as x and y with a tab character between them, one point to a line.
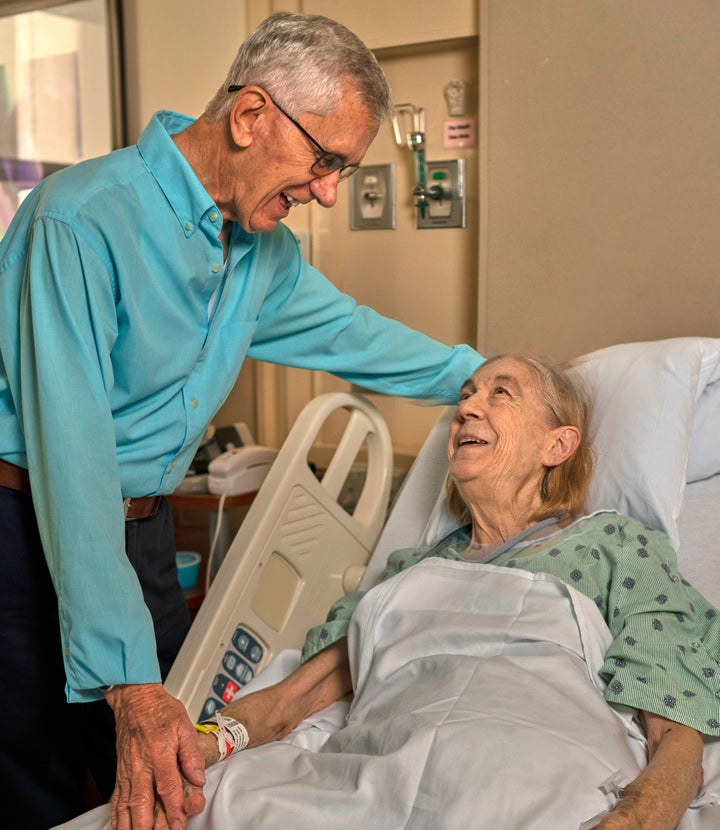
131	289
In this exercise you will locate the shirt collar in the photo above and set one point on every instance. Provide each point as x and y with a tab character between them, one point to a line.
187	197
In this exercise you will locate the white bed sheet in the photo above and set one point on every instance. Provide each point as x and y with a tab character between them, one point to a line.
478	703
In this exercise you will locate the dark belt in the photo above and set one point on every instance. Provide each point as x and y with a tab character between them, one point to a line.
17	478
14	477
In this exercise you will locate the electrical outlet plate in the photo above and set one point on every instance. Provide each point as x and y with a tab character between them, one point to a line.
446	195
372	198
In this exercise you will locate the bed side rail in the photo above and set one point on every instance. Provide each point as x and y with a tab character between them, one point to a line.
296	552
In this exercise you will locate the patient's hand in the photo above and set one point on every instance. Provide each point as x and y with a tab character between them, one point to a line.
623	817
658	797
194	803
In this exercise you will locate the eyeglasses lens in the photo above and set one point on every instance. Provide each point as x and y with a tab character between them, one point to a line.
329	163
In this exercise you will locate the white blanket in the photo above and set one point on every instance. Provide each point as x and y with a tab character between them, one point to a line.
477	704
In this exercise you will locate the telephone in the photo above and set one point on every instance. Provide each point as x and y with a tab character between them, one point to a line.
215	441
240	469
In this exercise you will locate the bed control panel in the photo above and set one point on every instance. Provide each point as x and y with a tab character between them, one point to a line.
238	666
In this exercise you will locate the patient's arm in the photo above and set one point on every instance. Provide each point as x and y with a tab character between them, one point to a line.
273	712
658	797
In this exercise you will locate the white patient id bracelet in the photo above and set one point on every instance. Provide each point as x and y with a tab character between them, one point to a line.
232	736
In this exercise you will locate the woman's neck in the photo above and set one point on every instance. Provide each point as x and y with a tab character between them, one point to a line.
483	550
496	519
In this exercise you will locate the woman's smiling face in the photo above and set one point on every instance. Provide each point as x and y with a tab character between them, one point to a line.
501	434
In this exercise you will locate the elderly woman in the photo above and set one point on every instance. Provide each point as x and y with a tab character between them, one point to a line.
519	470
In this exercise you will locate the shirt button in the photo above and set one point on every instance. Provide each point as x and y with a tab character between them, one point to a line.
194	403
213	216
215	267
171	467
188	226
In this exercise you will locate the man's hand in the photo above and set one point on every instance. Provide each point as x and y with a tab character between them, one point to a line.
157	753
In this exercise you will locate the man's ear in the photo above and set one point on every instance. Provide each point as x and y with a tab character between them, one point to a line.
248	114
565	440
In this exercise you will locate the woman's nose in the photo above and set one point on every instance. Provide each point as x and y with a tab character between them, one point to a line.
324	189
470	407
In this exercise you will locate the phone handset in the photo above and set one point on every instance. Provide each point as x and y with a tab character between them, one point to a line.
240	469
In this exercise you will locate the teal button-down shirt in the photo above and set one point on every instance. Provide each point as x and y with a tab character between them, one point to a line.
122	331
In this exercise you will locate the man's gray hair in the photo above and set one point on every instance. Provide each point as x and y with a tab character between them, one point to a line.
303	61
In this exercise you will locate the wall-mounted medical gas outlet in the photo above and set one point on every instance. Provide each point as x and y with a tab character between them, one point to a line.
445	194
372	198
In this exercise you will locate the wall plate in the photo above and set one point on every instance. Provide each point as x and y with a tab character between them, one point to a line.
372	198
446	195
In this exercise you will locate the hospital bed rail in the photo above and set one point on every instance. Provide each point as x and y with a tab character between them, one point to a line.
296	552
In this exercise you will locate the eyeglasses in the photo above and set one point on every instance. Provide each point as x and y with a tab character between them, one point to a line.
326	162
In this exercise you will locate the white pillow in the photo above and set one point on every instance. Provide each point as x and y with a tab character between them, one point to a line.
644	397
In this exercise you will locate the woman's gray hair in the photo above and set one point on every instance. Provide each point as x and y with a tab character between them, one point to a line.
303	61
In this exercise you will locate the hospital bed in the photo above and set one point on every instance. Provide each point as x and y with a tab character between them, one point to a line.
656	429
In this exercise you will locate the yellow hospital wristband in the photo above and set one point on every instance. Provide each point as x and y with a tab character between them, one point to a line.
207	728
232	736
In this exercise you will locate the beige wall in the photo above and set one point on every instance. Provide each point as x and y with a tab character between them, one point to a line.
600	181
177	53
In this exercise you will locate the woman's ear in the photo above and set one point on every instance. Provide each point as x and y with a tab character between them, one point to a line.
248	112
565	440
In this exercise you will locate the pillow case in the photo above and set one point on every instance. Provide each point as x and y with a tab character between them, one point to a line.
645	399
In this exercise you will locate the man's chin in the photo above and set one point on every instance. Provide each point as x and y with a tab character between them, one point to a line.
264	224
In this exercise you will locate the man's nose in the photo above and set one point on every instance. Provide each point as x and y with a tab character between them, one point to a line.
324	189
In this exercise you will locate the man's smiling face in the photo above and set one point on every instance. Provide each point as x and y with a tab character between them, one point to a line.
276	171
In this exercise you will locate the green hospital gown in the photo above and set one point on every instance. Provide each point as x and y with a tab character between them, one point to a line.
665	654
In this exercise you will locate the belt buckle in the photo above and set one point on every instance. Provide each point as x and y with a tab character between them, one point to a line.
126	507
